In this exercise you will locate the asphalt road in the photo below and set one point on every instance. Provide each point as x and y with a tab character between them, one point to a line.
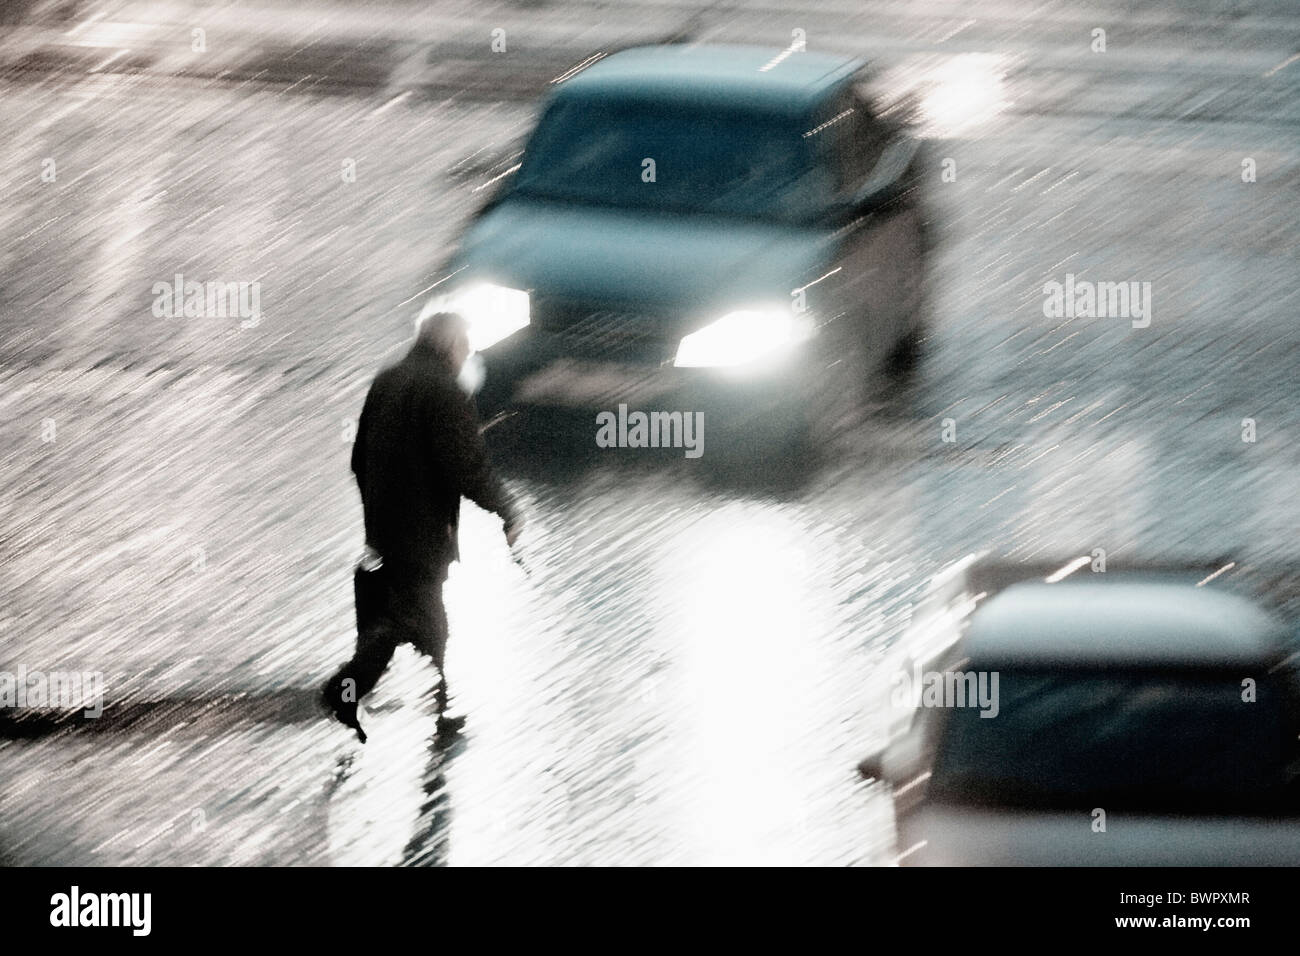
688	675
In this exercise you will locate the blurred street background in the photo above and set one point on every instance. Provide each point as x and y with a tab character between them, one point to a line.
689	674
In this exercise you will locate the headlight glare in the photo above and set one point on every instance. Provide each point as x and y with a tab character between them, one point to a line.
493	312
741	337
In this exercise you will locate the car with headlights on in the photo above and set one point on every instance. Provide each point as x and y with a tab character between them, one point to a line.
725	229
1052	714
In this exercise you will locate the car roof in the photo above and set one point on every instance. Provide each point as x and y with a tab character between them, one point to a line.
752	77
1136	620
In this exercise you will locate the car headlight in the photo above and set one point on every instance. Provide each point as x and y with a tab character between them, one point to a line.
492	312
741	337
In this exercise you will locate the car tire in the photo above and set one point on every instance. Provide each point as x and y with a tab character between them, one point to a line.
906	356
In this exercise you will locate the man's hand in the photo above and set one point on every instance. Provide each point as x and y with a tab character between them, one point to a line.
513	529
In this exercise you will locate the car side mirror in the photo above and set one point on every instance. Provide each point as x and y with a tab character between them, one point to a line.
886	177
872	767
489	173
899	760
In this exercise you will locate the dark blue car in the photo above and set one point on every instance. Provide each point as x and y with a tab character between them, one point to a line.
699	227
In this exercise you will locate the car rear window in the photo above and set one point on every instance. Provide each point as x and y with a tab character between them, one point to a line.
1144	742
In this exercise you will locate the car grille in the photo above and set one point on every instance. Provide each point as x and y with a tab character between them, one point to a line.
611	334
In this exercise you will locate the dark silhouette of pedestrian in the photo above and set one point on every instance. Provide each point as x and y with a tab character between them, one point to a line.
418	451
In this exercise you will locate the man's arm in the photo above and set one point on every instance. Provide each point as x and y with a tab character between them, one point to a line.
475	478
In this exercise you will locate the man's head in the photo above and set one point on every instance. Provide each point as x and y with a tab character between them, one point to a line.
447	335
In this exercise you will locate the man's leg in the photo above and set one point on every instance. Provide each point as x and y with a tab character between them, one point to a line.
358	677
377	638
430	626
420	618
438	633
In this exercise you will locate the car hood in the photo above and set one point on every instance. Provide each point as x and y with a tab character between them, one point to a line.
652	259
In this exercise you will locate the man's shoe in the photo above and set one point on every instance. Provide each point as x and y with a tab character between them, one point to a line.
450	725
342	711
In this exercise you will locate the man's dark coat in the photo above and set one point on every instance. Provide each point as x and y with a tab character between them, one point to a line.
418	451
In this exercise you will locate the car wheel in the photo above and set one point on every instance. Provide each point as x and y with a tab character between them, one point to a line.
907	353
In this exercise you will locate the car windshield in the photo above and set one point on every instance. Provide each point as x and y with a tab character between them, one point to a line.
752	165
1159	741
